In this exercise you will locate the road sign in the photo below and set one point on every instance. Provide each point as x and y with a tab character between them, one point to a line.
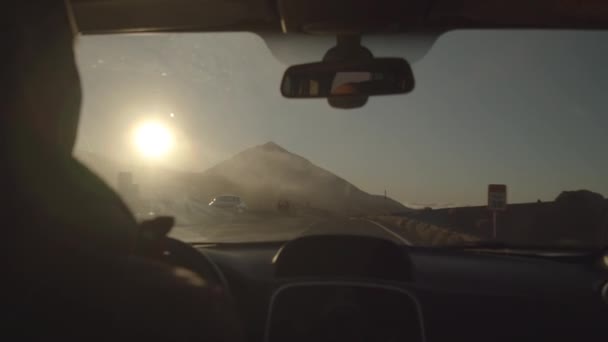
497	201
497	197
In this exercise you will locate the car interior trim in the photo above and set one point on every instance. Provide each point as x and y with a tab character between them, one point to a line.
361	284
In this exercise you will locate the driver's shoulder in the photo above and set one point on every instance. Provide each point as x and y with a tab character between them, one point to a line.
72	201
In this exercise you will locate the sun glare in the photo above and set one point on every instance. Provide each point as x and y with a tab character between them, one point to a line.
153	139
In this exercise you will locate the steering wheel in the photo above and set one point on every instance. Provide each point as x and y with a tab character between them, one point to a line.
153	243
214	308
178	253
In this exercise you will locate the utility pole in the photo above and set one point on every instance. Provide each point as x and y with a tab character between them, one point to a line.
385	201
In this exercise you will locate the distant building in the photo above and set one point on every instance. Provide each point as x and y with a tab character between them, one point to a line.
125	183
128	190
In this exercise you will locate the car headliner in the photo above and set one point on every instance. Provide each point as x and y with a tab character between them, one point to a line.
115	16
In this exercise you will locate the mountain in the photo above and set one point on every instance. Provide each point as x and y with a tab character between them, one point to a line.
261	175
264	174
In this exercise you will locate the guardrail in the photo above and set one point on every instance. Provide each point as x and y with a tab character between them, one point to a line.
424	234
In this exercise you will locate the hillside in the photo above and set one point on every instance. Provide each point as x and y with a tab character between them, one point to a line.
264	174
574	216
261	175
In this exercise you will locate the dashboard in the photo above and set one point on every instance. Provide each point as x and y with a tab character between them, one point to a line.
346	288
343	311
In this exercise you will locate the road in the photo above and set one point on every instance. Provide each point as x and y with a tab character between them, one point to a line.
249	228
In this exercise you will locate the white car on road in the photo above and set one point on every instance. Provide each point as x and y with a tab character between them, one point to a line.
229	202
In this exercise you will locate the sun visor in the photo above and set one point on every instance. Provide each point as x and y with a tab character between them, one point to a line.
525	14
350	16
124	16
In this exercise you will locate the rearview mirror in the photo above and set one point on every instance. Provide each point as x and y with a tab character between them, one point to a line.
361	78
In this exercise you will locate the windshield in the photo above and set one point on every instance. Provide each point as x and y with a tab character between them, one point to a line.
172	121
226	199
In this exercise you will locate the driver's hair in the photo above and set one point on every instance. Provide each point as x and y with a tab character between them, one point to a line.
41	89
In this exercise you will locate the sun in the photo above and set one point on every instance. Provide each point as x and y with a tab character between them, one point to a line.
153	139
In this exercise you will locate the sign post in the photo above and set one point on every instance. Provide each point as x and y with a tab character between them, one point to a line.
494	224
497	201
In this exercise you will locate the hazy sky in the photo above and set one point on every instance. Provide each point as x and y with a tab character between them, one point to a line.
524	108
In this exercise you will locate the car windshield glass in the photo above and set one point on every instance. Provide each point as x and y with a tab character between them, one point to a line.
227	199
172	121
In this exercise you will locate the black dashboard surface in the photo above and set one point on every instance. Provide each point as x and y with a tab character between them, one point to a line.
462	295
